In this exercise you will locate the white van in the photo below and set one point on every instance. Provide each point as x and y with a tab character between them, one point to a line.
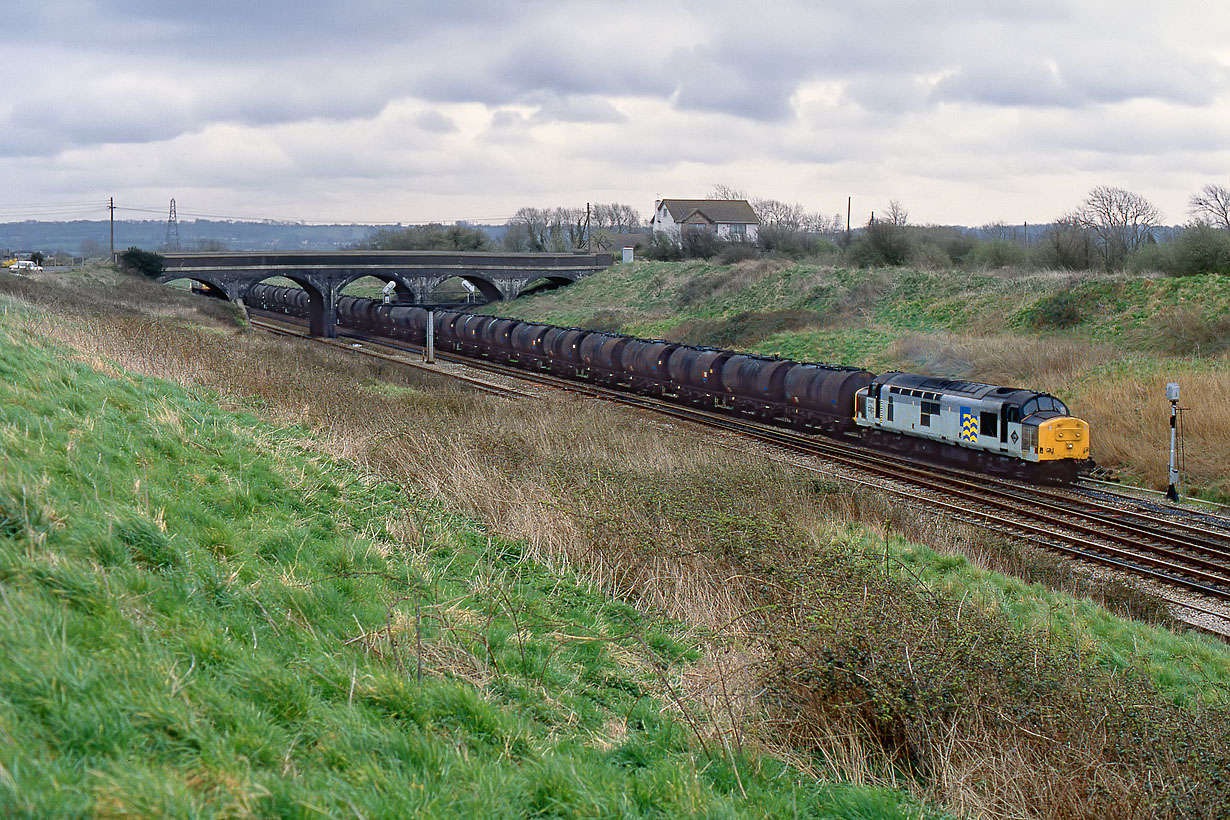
26	266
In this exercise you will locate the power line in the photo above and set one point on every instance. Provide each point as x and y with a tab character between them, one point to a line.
48	211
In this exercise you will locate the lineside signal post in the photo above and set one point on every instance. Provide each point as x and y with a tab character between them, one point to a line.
431	337
1172	395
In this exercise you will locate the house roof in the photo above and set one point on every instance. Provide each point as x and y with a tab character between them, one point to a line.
714	210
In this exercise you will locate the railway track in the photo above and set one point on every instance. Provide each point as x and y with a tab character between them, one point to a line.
1185	553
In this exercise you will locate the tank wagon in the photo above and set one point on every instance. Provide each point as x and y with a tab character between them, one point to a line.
995	429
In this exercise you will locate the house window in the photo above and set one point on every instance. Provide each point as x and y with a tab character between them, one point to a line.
738	230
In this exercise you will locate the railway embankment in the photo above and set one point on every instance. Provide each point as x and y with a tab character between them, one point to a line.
228	559
1107	344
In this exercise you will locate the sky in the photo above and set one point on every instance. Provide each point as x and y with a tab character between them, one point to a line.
403	111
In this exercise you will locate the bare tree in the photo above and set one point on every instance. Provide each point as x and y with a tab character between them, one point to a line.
778	214
1067	244
616	217
726	192
554	230
819	223
1119	221
897	214
1211	205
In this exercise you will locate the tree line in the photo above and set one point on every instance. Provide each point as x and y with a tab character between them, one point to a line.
1111	229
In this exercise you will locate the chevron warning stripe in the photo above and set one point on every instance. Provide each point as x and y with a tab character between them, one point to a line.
969	424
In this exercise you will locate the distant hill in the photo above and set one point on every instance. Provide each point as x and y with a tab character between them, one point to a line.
93	237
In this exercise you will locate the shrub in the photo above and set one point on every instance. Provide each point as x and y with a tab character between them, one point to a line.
955	243
738	252
701	244
146	263
1062	309
997	253
881	243
1065	245
929	256
1200	249
662	248
794	244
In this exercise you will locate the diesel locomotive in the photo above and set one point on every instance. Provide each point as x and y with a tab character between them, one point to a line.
1001	430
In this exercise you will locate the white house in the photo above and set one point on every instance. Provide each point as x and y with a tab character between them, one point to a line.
731	219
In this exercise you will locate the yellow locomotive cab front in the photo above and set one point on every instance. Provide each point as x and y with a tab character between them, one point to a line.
1063	437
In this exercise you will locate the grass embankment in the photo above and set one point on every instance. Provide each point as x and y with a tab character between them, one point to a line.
970	690
203	616
1106	344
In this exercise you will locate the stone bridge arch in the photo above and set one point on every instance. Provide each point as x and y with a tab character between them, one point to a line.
492	290
415	274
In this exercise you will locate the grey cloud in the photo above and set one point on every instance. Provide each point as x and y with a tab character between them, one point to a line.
574	108
1030	82
435	122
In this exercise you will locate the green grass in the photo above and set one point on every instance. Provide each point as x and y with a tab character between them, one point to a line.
1188	668
659	296
203	617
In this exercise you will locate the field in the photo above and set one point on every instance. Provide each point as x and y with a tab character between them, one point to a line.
248	578
1105	343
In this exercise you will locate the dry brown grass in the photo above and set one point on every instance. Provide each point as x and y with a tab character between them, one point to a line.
1133	420
1003	358
812	649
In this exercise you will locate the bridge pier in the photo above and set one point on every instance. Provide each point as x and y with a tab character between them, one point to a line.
322	318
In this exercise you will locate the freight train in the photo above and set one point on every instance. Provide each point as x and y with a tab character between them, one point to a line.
987	428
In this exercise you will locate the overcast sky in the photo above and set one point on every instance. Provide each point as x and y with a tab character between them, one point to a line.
966	112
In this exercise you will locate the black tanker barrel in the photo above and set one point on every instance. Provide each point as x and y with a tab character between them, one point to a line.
356	313
826	389
272	297
527	338
610	355
679	365
346	315
755	377
369	310
400	317
259	297
382	315
446	322
498	334
298	299
601	349
563	343
291	301
469	332
471	328
410	324
699	368
648	358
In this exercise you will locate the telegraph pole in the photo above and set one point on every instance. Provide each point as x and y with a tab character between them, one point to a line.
111	207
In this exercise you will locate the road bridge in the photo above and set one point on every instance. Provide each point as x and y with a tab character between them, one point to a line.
414	274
